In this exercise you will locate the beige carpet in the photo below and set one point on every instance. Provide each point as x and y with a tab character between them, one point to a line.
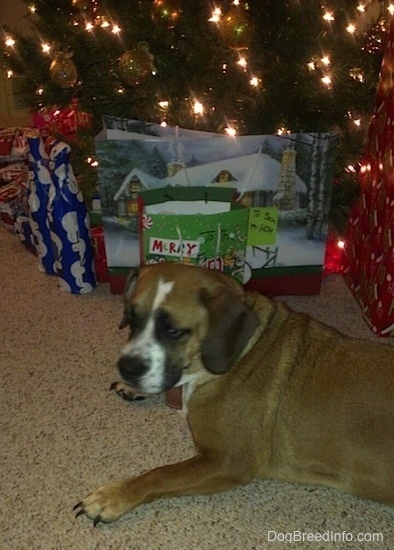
63	434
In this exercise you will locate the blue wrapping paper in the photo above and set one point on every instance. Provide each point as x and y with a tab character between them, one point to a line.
23	229
39	182
69	225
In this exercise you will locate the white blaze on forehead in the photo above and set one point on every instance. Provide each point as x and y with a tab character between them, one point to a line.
162	290
148	348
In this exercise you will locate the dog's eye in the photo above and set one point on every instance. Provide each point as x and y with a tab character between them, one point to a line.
174	333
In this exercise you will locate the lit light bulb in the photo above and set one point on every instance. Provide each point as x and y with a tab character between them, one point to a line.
327	81
163	124
89	27
10	73
9	42
328	16
254	81
230	131
311	66
163	104
216	15
198	108
46	48
32	8
341	244
92	161
116	29
242	62
351	168
351	28
357	121
40	90
390	9
361	8
325	60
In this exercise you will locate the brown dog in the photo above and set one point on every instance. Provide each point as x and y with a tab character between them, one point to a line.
269	393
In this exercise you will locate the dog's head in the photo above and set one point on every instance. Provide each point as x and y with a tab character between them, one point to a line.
182	319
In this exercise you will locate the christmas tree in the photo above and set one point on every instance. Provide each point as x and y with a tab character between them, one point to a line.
256	67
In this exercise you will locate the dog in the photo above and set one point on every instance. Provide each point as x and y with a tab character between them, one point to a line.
268	392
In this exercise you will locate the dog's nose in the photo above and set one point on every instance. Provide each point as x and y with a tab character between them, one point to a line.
131	368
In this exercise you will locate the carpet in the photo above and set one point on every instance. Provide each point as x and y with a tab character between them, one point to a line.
63	434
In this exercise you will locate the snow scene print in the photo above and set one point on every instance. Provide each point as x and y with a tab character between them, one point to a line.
290	174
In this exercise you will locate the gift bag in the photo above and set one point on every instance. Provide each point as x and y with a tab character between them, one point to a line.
69	225
369	253
39	182
194	225
290	174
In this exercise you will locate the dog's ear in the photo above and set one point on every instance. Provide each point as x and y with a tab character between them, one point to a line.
231	324
131	281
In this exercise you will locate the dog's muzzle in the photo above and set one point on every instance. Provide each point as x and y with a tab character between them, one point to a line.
146	377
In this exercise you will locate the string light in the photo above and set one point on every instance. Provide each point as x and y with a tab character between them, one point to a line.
328	16
216	15
10	73
327	81
242	62
46	48
254	81
198	108
116	29
390	9
9	42
230	131
351	28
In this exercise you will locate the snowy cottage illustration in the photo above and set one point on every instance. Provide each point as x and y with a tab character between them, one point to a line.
260	180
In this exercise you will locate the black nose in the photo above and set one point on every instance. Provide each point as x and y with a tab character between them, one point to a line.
131	368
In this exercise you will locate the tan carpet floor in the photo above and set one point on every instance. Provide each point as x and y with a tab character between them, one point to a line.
62	434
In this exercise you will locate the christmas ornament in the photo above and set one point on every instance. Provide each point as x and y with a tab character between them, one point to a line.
167	12
135	65
235	28
63	71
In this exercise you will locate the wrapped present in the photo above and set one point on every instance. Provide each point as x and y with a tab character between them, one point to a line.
65	121
100	259
12	172
38	195
369	259
10	207
13	142
69	225
23	231
7	136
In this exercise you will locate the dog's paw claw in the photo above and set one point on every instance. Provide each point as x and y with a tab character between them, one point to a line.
105	505
96	521
126	392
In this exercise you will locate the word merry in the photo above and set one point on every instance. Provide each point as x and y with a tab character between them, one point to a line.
174	247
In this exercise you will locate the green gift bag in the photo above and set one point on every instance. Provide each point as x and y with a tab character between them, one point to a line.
197	225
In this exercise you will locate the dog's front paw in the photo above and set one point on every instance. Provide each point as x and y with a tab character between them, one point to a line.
127	392
106	504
